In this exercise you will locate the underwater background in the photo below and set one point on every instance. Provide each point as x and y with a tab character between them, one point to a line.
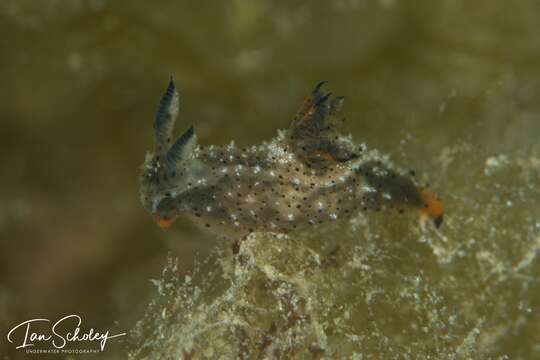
449	88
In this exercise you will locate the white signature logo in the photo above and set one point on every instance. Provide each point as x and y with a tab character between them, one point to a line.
58	338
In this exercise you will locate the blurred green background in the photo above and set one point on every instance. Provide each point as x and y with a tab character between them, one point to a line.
80	81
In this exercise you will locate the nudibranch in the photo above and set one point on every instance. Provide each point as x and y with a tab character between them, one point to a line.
306	176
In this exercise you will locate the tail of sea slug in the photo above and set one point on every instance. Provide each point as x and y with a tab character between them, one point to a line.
432	206
400	190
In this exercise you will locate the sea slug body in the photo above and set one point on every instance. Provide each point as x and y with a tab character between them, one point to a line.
306	176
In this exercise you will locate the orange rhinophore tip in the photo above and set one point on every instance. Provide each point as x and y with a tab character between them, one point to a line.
433	206
163	223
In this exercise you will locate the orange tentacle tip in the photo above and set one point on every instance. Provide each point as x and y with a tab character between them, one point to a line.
433	206
164	223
